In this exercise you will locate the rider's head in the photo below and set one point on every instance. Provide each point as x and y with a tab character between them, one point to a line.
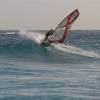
51	31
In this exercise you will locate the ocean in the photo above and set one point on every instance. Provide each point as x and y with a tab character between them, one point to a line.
29	71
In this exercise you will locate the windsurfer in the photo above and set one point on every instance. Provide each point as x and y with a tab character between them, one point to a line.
65	23
50	38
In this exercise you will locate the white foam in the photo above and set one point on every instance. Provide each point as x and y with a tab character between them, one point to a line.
74	50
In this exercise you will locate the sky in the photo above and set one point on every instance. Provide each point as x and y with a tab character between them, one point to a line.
46	14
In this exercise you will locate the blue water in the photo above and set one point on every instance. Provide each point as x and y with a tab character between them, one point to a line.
29	71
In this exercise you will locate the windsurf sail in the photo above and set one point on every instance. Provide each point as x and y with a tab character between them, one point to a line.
69	20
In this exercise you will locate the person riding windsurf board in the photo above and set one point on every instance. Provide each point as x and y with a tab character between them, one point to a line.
66	24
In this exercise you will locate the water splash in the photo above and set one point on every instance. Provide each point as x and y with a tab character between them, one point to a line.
34	36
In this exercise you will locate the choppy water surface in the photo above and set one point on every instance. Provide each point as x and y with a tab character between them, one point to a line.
29	71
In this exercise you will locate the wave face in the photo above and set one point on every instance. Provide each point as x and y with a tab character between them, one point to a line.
28	43
28	71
